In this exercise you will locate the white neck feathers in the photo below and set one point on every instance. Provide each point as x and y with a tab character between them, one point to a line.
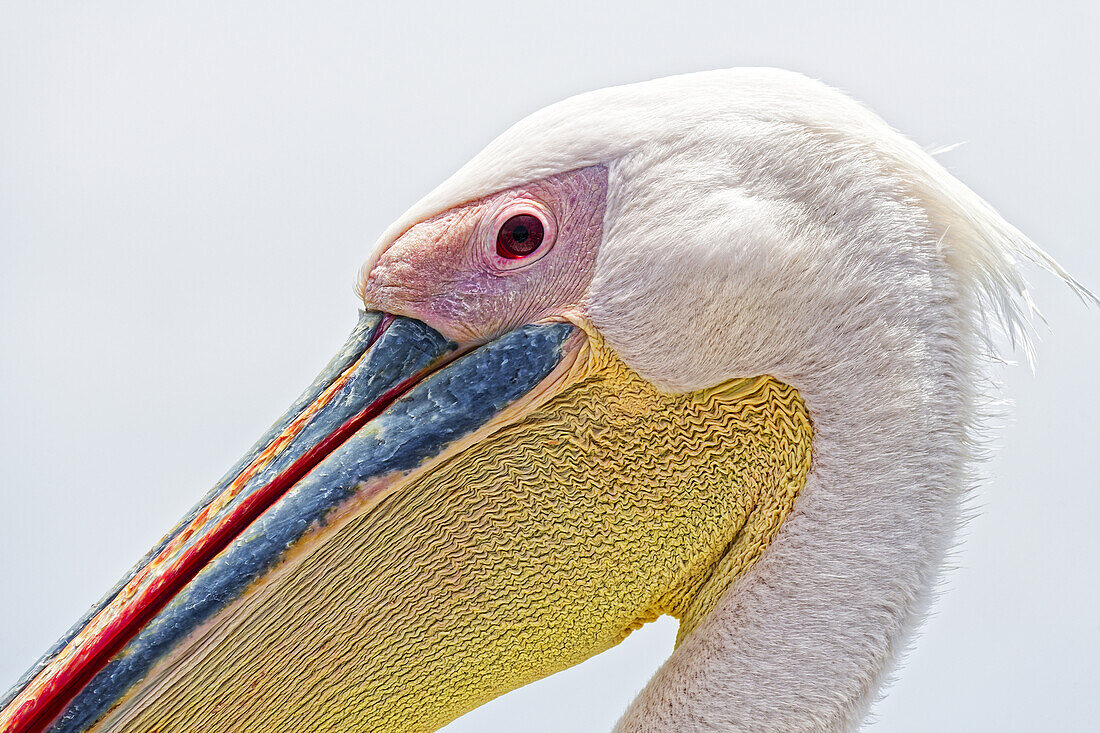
758	222
849	264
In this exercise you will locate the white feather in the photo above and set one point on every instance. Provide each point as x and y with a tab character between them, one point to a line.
759	222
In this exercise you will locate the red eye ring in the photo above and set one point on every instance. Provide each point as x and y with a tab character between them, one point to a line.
517	233
520	236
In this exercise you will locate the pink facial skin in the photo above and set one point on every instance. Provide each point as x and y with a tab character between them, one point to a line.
446	271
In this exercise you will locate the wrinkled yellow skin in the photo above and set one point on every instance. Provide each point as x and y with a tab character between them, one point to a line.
546	543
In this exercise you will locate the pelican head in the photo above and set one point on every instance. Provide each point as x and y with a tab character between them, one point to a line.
704	346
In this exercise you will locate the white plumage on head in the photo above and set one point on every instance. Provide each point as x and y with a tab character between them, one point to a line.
759	222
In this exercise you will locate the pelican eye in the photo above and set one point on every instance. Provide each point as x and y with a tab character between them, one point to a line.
520	236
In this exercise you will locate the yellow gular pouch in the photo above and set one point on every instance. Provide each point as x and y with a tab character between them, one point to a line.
543	544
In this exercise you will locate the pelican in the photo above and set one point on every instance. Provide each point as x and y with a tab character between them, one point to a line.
708	346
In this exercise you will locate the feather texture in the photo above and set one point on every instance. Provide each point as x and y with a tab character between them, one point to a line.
759	222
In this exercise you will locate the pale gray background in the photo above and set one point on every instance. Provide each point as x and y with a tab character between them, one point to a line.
186	192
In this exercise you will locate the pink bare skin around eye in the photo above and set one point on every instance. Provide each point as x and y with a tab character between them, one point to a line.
441	271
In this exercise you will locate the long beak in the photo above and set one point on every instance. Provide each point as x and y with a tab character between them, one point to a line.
396	397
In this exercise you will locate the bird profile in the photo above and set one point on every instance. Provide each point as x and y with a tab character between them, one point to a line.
711	346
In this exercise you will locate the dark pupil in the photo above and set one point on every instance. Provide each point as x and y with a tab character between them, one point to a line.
519	236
